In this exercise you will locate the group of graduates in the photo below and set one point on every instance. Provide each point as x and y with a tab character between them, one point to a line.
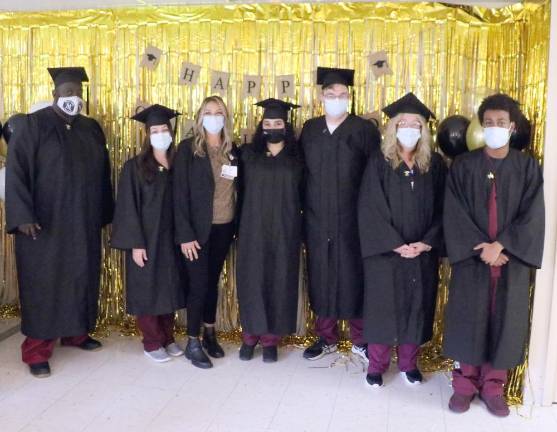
376	215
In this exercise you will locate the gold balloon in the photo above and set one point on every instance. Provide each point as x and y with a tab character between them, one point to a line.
475	135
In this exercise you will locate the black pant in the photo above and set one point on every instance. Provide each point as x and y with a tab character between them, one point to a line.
204	274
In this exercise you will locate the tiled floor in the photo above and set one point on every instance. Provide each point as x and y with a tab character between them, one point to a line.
119	389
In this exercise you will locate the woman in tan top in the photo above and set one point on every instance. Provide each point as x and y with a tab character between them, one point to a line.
205	173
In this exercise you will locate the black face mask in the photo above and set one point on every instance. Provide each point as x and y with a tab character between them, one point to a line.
274	136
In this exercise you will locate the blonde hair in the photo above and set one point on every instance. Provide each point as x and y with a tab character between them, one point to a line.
391	148
200	136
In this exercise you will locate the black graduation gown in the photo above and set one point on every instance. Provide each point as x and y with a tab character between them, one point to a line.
59	177
269	241
334	167
144	219
400	293
472	334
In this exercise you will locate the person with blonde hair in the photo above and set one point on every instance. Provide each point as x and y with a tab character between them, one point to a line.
400	219
205	171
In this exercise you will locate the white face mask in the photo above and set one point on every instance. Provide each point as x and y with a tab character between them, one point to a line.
71	105
161	141
336	107
408	137
213	123
496	137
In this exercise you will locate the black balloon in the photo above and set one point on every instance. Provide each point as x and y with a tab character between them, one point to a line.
451	135
520	138
11	125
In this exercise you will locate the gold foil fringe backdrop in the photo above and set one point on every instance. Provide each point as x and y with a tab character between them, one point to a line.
450	57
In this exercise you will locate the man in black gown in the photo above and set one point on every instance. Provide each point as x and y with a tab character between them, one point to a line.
58	197
336	148
494	231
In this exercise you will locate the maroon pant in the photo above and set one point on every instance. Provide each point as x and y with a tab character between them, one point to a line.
380	357
157	330
40	350
267	340
469	380
328	328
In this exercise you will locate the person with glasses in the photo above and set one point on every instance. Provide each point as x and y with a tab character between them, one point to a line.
336	147
400	218
494	232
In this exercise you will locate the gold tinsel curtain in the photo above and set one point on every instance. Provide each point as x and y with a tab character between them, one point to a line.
450	57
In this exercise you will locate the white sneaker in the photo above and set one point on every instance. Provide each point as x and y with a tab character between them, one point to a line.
174	350
160	355
360	351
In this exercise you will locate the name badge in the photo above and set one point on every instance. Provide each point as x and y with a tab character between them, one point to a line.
229	172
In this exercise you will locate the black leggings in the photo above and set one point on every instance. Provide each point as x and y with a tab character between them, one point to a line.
204	274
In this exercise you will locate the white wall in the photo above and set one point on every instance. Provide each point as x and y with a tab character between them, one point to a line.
541	386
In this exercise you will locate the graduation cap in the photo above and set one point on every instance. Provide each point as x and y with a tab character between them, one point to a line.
408	104
330	76
155	115
63	75
276	109
379	62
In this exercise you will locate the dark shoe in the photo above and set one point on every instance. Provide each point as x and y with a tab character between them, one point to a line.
40	370
319	349
270	354
88	344
194	352
496	405
414	376
375	380
460	403
246	352
211	344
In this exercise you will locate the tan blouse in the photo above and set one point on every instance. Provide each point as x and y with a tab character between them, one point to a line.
224	197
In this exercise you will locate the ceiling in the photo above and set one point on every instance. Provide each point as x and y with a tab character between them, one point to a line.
42	5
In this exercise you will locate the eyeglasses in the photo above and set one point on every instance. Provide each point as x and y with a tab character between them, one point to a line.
333	97
412	125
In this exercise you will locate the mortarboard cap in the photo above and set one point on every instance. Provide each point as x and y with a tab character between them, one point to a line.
408	104
275	108
62	75
155	115
330	76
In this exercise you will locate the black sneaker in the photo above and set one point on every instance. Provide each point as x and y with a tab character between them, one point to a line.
414	376
211	344
40	370
270	354
375	380
194	352
246	352
319	349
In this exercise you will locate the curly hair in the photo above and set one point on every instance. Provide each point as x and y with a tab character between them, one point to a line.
502	102
390	146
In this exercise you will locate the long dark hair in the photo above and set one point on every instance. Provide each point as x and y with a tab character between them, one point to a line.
148	165
290	143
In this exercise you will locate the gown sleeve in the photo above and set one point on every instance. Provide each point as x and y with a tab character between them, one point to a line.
20	171
523	238
184	232
127	229
377	234
107	196
460	231
434	235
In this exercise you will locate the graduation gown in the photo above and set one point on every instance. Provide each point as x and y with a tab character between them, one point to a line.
334	167
58	176
268	254
400	293
144	219
473	334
